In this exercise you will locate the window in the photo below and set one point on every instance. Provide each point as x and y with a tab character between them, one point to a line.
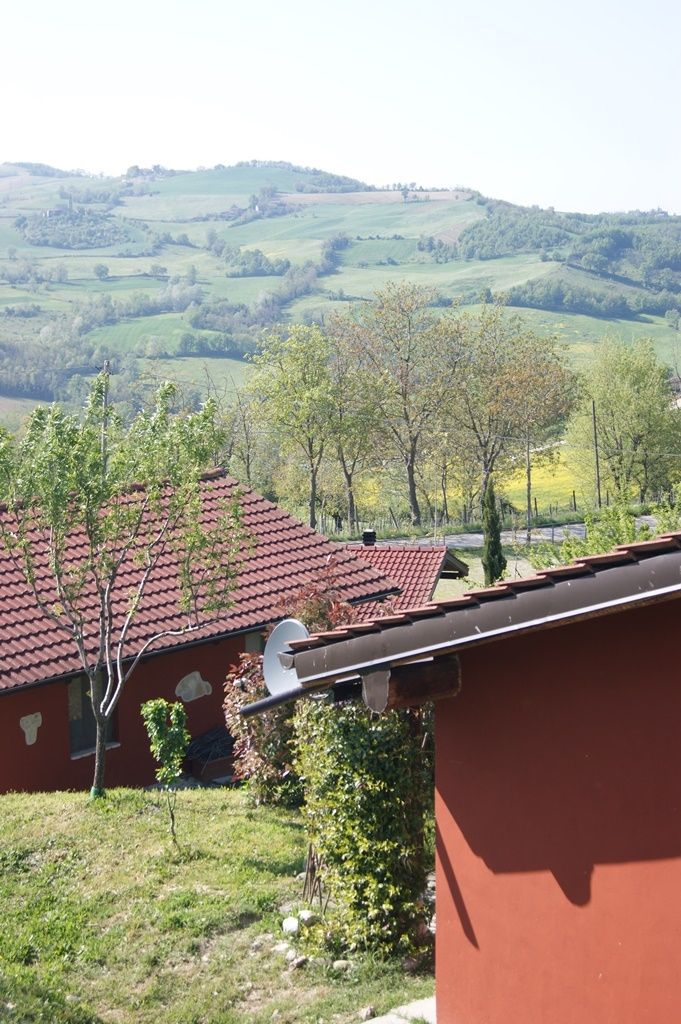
254	643
82	727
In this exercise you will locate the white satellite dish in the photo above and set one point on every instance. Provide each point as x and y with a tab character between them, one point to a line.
277	678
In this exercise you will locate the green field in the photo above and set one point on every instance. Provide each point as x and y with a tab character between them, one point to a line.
13	411
129	334
581	334
204	374
386	243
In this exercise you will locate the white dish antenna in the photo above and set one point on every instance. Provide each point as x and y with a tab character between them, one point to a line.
277	678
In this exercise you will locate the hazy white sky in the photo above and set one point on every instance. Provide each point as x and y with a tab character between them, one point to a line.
573	105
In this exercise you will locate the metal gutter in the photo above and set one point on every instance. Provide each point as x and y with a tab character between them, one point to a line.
602	590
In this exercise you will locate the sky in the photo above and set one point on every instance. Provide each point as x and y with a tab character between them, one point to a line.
572	105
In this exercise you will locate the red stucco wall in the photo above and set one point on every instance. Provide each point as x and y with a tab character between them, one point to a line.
48	765
558	808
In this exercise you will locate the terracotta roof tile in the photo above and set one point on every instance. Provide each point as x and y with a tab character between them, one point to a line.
415	568
285	556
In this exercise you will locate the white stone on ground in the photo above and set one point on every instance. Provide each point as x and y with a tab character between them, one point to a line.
420	1009
307	917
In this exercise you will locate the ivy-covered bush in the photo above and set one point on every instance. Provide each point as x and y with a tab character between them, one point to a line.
368	786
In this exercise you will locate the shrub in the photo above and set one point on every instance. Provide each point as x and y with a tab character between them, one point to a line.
166	726
367	785
263	744
367	788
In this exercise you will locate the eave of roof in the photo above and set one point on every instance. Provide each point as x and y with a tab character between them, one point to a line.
631	575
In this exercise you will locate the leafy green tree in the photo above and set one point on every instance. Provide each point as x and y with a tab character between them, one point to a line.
411	356
166	726
101	271
510	386
131	497
638	426
293	383
354	412
493	560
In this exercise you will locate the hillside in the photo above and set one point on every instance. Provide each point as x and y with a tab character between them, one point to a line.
167	272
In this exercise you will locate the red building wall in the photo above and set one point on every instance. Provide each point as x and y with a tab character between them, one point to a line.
48	765
558	806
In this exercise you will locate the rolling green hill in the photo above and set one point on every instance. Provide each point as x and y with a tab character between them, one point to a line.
157	268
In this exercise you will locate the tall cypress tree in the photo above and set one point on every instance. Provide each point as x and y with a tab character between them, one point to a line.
493	561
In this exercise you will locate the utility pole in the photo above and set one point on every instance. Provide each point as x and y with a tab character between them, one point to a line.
528	478
598	468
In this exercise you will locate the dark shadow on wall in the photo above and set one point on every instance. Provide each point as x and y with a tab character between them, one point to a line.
455	891
563	750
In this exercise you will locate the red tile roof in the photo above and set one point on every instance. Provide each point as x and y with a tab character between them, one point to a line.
285	556
415	568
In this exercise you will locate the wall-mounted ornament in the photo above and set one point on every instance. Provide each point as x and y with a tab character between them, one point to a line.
30	725
193	686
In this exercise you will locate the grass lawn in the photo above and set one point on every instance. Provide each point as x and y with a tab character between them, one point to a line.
103	922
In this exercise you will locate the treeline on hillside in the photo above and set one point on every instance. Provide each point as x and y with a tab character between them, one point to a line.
44	370
553	293
71	229
105	196
43	170
637	249
27	272
246	262
268	309
315	180
254	263
509	229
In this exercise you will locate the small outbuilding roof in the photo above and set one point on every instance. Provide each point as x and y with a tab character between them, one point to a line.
415	568
285	555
